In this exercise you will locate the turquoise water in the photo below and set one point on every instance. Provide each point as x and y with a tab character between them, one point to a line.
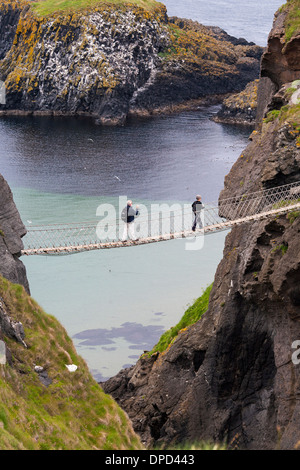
116	303
147	288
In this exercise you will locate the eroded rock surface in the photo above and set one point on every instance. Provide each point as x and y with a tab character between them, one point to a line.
230	377
12	230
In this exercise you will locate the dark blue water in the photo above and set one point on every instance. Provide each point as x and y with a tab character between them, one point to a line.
165	158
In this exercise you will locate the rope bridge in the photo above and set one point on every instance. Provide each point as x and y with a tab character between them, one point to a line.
162	223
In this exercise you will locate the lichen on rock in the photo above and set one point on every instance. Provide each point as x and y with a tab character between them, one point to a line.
108	61
240	108
12	231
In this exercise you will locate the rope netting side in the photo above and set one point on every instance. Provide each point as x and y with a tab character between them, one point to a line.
164	222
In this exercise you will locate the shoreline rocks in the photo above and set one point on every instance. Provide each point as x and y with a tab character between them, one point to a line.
240	108
112	62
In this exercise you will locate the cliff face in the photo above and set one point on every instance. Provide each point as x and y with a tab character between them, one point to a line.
230	377
109	61
240	108
9	18
11	232
281	62
43	405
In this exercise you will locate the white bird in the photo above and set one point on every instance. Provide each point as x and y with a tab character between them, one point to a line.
71	367
117	178
91	140
29	221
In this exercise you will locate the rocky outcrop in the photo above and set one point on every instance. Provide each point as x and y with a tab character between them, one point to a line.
230	377
11	267
9	18
109	62
281	61
11	232
49	399
9	327
280	67
240	108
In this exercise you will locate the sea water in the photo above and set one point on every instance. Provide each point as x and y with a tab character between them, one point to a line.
116	303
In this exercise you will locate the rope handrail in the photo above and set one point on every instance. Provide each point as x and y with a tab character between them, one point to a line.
276	189
163	222
212	205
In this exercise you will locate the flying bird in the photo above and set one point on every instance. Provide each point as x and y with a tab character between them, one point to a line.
117	178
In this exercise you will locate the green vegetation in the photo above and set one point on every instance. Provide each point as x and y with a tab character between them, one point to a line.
198	44
292	22
283	248
289	91
73	412
286	203
292	216
47	7
288	115
191	316
21	67
245	99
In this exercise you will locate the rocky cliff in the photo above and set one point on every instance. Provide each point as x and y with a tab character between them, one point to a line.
108	61
230	377
44	406
240	108
11	232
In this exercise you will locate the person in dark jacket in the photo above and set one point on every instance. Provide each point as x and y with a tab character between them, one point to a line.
197	207
128	216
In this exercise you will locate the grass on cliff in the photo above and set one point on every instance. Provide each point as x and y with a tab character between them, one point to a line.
191	316
47	7
292	22
73	413
288	115
199	45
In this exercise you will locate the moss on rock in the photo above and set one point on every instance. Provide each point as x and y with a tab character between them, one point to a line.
107	59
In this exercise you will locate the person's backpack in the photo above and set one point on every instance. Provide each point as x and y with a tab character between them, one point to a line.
124	214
